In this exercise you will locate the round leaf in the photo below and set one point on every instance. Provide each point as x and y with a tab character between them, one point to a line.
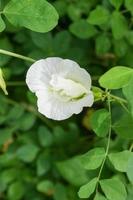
37	15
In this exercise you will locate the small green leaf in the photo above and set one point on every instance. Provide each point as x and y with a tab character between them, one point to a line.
99	197
93	158
73	171
27	153
100	122
82	29
46	187
128	93
26	121
103	44
124	127
116	77
120	160
99	16
116	3
2	24
16	191
113	189
120	47
87	189
129	36
45	136
60	192
129	5
37	15
43	163
118	25
129	170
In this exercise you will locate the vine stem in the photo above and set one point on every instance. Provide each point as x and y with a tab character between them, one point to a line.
16	83
8	53
108	142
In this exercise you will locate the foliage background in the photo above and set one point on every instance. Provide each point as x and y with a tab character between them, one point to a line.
39	158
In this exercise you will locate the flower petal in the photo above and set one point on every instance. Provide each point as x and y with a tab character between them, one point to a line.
39	74
54	108
76	73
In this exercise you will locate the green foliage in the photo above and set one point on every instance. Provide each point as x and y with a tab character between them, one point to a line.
129	169
87	189
28	14
99	16
83	29
93	158
73	171
116	3
44	159
128	91
16	191
2	24
100	122
123	127
110	78
27	153
99	197
113	189
120	160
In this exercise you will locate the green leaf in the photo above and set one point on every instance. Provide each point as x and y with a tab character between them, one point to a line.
116	77
37	15
129	5
5	135
26	121
61	42
120	47
124	127
118	25
100	122
93	158
2	24
27	153
60	192
73	171
8	175
45	136
129	36
46	187
103	44
129	170
16	191
117	4
99	16
128	93
86	190
43	163
120	160
6	45
113	189
99	197
82	29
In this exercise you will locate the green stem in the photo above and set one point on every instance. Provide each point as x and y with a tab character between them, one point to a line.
16	55
118	98
16	83
108	142
131	147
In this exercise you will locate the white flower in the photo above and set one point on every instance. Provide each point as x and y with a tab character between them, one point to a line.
61	86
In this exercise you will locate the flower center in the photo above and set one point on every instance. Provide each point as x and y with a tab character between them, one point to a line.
67	88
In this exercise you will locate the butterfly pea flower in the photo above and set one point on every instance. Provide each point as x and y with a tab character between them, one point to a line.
62	87
2	82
